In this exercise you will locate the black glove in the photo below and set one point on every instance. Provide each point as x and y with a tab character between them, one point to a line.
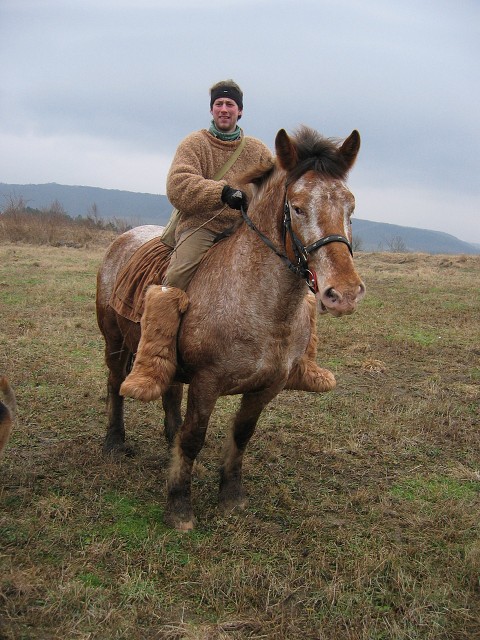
235	198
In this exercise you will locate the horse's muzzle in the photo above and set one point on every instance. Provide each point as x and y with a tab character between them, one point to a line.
340	303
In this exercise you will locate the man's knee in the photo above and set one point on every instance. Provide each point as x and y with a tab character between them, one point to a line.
179	275
190	249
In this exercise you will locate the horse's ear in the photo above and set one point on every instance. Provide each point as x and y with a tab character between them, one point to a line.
350	147
285	150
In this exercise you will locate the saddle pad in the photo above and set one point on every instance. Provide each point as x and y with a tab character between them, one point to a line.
146	266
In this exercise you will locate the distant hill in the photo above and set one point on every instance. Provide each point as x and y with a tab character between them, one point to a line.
136	208
381	236
147	208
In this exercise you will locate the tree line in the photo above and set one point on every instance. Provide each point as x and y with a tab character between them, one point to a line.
54	226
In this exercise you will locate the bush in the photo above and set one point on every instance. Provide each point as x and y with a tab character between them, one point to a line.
53	226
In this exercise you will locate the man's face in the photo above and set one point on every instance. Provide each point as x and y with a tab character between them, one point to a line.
225	114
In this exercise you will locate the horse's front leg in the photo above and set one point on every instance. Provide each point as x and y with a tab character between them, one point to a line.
232	494
188	443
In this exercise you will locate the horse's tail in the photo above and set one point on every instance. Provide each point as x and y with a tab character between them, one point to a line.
8	409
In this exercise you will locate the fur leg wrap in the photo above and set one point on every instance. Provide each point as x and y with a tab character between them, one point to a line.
156	359
306	375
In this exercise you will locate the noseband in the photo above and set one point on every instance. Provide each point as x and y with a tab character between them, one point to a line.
300	250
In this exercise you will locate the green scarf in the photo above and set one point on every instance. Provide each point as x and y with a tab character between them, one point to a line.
225	136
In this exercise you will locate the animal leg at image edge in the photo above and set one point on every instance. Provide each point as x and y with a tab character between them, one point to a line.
7	412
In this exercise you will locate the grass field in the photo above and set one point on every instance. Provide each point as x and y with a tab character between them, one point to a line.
363	517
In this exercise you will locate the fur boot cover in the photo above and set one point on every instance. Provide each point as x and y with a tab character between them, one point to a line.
306	375
156	359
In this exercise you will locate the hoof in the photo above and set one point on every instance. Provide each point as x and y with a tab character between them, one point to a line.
145	389
232	498
117	451
179	523
185	526
232	507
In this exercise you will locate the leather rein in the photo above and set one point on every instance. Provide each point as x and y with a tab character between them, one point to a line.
301	251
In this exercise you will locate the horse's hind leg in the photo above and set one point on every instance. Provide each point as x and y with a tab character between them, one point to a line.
172	402
232	494
116	358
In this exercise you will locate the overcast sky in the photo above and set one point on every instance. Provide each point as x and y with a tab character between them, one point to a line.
100	92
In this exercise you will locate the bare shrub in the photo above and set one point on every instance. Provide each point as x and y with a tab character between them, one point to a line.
53	226
396	244
357	243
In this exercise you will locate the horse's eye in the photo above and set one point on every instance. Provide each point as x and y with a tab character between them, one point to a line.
298	211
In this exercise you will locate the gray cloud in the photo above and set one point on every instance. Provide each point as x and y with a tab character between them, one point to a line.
106	90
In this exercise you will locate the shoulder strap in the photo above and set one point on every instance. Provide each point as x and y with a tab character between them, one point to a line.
168	235
229	163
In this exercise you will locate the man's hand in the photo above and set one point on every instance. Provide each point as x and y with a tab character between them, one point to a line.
235	198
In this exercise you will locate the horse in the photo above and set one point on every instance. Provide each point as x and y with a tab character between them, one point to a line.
247	323
8	410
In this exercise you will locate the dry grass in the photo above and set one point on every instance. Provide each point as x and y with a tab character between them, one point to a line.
363	520
54	227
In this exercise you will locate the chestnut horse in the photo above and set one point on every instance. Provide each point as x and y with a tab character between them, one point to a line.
248	321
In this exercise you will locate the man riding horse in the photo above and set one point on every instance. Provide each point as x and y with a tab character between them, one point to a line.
204	184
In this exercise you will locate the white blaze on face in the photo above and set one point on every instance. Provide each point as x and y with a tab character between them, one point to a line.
318	209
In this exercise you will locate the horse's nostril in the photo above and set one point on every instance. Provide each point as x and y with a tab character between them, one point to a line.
331	295
344	301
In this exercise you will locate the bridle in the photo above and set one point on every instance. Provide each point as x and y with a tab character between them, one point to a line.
301	251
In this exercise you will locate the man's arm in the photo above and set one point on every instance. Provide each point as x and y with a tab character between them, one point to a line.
187	187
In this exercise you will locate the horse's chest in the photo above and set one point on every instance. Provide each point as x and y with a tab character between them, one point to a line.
242	347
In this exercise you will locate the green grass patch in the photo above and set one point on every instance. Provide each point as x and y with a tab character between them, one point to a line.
11	298
133	522
424	337
434	489
475	373
91	580
452	305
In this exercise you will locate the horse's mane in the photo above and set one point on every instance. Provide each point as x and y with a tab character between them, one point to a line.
317	153
314	151
258	174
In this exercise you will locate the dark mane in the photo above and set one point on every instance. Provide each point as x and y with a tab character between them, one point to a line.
314	152
318	154
257	174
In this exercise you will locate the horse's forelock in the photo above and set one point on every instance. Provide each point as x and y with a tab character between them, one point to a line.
314	151
317	153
